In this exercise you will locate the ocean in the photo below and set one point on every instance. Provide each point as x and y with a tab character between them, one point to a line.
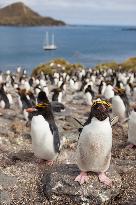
87	45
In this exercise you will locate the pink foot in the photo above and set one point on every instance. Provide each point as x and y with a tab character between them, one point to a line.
130	146
82	178
49	162
104	179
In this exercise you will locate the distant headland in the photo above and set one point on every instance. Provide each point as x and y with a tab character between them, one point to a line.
18	14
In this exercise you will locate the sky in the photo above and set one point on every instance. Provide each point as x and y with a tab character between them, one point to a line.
85	12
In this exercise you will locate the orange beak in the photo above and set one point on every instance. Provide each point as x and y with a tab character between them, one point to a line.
32	109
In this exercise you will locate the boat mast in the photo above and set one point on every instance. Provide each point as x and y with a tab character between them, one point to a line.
52	39
47	39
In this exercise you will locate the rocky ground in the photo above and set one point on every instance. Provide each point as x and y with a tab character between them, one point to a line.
25	180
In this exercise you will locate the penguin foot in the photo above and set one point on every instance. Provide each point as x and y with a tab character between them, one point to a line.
43	161
130	146
49	162
82	178
104	179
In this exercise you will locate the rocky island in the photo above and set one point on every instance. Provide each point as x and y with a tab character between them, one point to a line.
18	14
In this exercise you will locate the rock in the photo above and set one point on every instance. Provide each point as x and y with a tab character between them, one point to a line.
22	156
127	194
5	183
17	127
60	188
69	140
67	156
4	197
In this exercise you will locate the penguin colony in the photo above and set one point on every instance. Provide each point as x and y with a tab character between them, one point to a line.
108	93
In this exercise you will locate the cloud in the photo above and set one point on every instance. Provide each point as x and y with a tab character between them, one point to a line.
77	11
95	4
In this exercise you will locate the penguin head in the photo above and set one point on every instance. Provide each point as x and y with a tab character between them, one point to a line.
39	107
101	105
42	98
119	91
21	92
100	109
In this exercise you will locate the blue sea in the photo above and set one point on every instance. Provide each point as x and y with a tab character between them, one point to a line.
88	45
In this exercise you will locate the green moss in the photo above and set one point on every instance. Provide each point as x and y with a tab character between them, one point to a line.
59	65
130	64
113	65
60	61
45	68
127	65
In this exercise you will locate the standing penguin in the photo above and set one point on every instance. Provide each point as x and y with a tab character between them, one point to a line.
108	92
57	95
4	101
89	95
44	132
95	143
132	129
120	104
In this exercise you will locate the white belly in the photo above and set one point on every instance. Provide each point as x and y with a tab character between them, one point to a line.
88	97
118	107
2	104
42	138
94	146
132	128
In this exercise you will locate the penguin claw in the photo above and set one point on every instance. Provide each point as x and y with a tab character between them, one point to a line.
104	179
130	146
49	162
42	161
82	178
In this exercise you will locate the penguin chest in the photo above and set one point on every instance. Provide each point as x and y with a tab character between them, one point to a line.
2	104
25	113
94	146
132	128
108	93
45	89
88	97
60	97
103	89
10	99
118	106
20	103
42	138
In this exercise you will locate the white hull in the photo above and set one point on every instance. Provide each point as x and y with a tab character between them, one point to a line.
50	47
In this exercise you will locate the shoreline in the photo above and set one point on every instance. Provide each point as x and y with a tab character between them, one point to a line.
29	70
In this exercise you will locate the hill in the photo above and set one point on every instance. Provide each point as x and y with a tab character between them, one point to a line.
18	14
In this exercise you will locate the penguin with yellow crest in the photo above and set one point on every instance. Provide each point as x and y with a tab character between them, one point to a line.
95	143
44	131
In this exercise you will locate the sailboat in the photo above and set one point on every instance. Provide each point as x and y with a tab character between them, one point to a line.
47	45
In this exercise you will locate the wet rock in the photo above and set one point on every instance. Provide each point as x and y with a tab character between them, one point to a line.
60	188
